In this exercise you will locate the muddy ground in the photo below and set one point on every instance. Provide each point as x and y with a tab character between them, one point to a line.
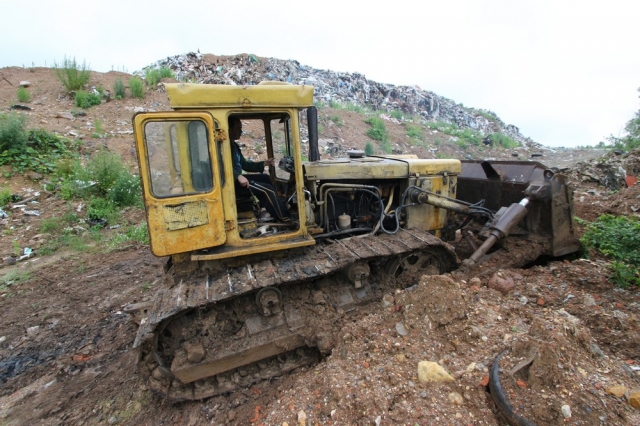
66	345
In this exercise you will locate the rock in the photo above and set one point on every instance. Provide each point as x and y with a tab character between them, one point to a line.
455	398
401	329
566	411
429	371
501	283
634	398
378	420
302	418
401	358
588	300
388	301
618	390
65	115
475	281
195	351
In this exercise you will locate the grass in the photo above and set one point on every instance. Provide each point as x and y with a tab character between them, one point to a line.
23	95
5	197
131	235
397	114
136	86
414	131
13	278
72	74
337	120
378	130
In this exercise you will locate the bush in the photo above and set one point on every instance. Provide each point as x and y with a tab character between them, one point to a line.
12	131
368	149
87	99
37	150
119	88
72	75
104	176
137	87
23	94
100	208
617	237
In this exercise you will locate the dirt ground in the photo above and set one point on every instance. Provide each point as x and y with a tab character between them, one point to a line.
66	352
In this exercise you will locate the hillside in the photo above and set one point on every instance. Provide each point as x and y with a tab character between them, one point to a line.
66	345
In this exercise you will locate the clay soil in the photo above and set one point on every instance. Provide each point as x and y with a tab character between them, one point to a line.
66	352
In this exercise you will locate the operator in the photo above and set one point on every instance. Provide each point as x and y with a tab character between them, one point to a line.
257	183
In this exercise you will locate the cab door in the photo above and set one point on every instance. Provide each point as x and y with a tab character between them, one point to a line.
180	181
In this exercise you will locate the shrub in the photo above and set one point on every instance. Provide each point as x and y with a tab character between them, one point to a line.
37	150
368	149
87	99
106	176
132	234
23	94
119	88
12	131
617	237
137	87
72	75
100	208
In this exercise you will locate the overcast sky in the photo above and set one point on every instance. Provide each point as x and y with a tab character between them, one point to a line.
565	72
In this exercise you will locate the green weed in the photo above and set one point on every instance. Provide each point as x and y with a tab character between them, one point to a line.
136	86
5	197
368	149
378	130
23	94
133	234
86	100
119	88
71	74
414	132
14	277
504	141
397	114
13	134
617	237
153	76
337	120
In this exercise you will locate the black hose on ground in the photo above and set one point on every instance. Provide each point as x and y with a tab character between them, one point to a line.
500	399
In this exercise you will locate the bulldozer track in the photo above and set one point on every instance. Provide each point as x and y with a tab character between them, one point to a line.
207	335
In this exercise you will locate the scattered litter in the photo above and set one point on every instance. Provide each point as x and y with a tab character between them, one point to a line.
31	212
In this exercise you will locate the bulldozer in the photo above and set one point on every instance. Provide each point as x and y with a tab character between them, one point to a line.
248	297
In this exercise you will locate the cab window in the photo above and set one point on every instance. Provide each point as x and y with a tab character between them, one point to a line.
179	158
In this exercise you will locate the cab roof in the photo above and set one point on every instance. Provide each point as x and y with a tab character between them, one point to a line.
265	94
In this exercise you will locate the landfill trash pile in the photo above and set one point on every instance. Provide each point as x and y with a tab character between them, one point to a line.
333	86
613	171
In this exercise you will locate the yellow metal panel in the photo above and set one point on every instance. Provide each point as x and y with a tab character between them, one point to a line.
185	95
357	168
434	166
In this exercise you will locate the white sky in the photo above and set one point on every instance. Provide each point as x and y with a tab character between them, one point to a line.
564	72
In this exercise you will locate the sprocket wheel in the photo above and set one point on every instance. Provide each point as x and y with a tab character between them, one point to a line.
414	265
